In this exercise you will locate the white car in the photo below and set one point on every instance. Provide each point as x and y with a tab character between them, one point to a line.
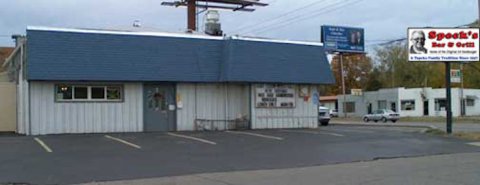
323	115
383	115
333	113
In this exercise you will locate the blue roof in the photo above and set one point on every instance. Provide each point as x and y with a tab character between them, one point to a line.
59	55
259	61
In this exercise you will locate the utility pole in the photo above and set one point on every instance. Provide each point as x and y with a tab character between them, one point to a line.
449	97
192	5
342	73
462	101
192	15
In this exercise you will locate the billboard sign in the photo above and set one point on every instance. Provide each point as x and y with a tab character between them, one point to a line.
443	44
343	39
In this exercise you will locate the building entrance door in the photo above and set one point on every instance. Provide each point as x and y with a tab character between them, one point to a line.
159	107
425	108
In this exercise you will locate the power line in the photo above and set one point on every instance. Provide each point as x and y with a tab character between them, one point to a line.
279	16
307	16
295	17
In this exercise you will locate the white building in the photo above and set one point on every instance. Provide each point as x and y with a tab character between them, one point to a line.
414	102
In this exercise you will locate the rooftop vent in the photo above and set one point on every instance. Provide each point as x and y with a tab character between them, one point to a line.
212	25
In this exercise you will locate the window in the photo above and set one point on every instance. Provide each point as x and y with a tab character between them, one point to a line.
470	102
408	104
80	93
349	107
98	92
67	93
64	92
114	92
440	104
382	104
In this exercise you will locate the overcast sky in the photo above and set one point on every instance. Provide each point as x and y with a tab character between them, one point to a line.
382	19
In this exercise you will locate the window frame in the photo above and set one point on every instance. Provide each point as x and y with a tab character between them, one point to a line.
438	106
89	93
469	100
382	102
402	106
353	107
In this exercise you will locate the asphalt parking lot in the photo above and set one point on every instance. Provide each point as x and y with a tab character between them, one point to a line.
69	159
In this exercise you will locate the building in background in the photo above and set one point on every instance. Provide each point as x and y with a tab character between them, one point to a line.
414	102
7	95
329	101
95	81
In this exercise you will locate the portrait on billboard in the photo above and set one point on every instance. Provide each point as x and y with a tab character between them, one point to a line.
418	42
356	38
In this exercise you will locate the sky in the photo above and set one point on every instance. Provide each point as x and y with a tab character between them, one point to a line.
382	20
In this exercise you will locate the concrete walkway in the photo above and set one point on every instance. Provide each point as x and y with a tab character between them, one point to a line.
436	170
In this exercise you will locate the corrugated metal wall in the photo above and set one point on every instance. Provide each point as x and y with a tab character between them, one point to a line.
50	117
304	115
215	102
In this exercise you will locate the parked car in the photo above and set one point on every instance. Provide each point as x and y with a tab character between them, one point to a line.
333	113
323	115
383	115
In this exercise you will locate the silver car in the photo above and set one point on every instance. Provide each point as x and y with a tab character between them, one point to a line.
383	115
323	115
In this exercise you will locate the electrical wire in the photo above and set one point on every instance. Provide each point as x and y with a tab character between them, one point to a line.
309	15
251	26
392	41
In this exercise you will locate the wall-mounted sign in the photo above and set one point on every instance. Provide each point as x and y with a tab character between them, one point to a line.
343	39
275	96
443	44
356	92
455	76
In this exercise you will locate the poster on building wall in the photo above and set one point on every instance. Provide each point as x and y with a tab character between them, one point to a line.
443	44
275	96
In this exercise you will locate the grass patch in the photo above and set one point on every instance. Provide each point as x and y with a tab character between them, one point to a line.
475	136
435	132
468	135
465	119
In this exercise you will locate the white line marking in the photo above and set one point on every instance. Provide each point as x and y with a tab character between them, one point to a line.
253	134
123	141
330	133
45	146
192	138
474	143
314	132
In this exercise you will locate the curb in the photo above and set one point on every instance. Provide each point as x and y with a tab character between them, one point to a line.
390	125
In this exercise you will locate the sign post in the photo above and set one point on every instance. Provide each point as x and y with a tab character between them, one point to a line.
449	97
444	45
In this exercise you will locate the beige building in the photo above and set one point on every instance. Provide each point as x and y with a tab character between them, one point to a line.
7	95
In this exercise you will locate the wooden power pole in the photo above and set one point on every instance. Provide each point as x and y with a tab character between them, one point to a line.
192	5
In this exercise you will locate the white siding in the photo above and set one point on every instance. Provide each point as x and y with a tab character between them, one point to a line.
412	94
475	109
216	102
373	97
50	117
304	115
399	94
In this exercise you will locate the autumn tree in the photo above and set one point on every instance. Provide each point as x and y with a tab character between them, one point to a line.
357	69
